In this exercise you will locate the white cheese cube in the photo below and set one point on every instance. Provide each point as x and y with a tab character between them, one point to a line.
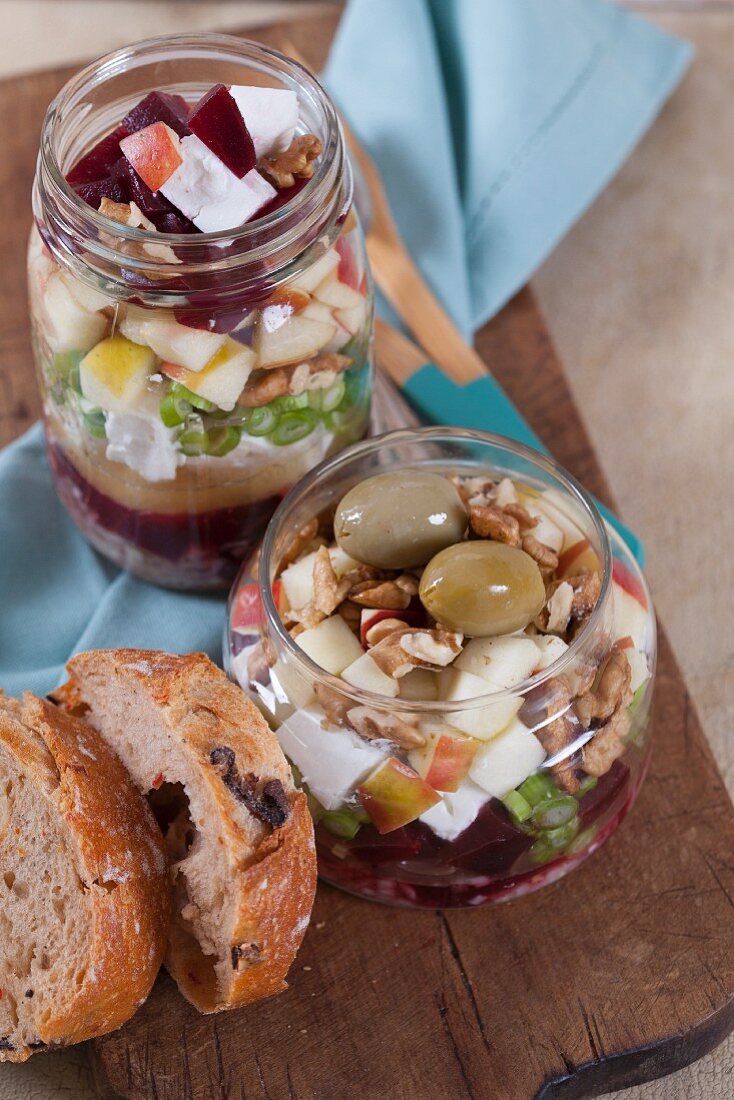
456	811
365	674
332	761
270	114
331	645
508	760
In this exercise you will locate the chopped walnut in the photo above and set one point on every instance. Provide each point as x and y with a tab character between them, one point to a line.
296	162
490	522
377	725
558	733
327	591
352	615
612	691
130	214
474	490
316	374
382	595
556	615
335	706
505	493
546	558
381	629
523	517
398	653
300	542
262	387
408	584
586	589
607	745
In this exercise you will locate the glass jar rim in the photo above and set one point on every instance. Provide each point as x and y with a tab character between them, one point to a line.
434	435
329	167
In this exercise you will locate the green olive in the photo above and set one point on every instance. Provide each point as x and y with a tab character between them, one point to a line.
400	519
482	588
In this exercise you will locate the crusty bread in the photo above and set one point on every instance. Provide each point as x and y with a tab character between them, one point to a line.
84	903
239	834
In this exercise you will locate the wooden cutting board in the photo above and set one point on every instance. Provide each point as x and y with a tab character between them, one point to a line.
620	973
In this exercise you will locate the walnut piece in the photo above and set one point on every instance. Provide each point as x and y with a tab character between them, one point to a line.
377	725
296	162
381	629
381	595
556	615
523	517
546	558
299	543
335	705
613	690
398	653
262	387
607	745
327	591
490	522
558	733
352	615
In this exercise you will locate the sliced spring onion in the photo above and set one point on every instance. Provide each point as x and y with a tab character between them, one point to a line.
174	410
536	787
582	840
329	399
342	823
192	439
94	422
518	806
220	441
192	398
551	813
289	402
554	841
293	426
66	366
262	421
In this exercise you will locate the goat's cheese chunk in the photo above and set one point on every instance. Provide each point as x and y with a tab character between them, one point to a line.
270	114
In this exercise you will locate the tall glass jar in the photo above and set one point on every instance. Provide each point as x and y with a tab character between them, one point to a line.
176	487
550	778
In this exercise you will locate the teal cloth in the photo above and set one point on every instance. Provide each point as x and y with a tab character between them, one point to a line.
495	123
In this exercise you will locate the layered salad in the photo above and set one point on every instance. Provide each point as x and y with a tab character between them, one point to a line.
466	697
175	426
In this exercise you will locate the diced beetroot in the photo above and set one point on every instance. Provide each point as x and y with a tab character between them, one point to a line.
93	193
281	199
605	794
491	844
172	222
159	107
96	164
216	120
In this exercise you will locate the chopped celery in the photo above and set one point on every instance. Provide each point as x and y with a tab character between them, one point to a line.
293	426
342	823
552	813
262	421
518	806
220	441
174	410
193	398
537	787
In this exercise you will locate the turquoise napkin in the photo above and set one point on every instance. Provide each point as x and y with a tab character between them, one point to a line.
495	122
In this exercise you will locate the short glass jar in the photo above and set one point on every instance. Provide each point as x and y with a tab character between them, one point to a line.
177	489
479	843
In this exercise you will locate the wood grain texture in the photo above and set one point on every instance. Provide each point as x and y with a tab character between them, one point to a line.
620	973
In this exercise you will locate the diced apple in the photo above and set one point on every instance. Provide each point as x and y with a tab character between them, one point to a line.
270	114
332	761
319	311
86	296
298	578
580	557
627	580
419	685
449	761
508	760
349	269
114	374
631	619
300	338
503	662
290	685
247	614
550	648
191	348
222	380
637	662
395	795
364	674
331	645
456	810
353	320
154	152
70	326
482	722
545	530
325	267
338	295
341	562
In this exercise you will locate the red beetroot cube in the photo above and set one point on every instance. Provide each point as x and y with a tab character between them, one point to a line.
159	107
281	198
216	120
97	163
93	193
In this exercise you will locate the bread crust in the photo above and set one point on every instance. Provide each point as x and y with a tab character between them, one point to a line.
121	862
273	886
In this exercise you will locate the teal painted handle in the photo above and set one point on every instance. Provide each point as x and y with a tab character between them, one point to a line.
484	406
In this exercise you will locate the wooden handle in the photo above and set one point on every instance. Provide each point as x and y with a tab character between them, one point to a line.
405	289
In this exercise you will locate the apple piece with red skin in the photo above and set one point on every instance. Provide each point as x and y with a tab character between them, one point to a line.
154	153
348	270
412	615
449	762
216	120
629	582
247	610
579	558
394	795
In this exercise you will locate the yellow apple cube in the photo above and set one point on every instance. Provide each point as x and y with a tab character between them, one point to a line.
223	378
115	373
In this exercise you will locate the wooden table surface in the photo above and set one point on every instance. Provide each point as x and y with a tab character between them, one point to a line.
675	919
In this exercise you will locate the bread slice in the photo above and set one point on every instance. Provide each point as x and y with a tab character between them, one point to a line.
84	903
239	834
